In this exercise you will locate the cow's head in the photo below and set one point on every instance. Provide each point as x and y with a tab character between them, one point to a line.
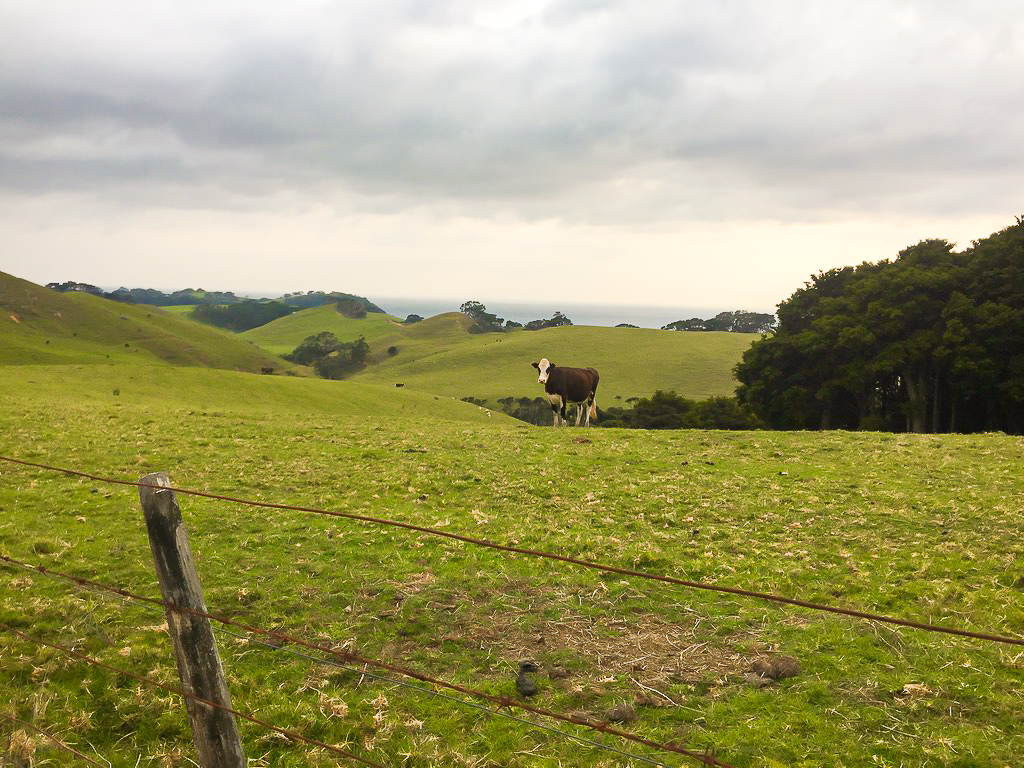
543	367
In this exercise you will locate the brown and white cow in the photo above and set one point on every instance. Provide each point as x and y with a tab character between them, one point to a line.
569	386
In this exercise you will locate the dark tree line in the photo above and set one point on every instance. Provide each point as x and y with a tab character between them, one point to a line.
932	341
311	299
739	321
487	322
242	316
484	321
663	410
190	296
185	297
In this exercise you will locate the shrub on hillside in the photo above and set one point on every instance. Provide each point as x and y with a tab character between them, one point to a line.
667	410
330	357
242	316
557	320
351	308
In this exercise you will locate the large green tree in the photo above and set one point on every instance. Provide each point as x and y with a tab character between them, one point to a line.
932	341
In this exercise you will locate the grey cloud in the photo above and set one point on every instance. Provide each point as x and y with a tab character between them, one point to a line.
781	105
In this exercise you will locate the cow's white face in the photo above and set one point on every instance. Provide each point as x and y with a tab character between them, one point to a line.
542	370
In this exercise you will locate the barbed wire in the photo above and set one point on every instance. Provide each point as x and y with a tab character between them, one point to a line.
928	627
445	697
363	671
54	739
295	735
503	702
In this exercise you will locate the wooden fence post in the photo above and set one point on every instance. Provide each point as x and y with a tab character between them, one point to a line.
214	731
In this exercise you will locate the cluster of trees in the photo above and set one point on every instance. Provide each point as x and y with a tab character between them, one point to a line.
663	410
330	357
351	308
484	321
556	320
190	297
667	410
186	297
242	316
930	342
739	321
311	299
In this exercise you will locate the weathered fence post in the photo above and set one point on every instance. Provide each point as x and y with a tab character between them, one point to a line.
214	730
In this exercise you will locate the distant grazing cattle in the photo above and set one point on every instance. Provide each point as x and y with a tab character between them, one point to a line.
569	386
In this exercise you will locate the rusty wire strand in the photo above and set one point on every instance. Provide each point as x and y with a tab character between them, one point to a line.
503	702
294	735
98	590
547	555
54	739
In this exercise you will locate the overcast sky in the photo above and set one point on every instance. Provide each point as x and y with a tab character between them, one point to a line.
629	151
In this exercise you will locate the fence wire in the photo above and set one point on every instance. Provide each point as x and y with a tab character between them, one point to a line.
295	735
58	742
780	599
349	658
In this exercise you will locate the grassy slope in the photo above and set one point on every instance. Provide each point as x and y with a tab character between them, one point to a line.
38	325
439	356
922	527
917	526
632	362
284	334
191	389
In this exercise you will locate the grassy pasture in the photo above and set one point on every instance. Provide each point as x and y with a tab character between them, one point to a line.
284	334
439	356
927	528
633	362
40	326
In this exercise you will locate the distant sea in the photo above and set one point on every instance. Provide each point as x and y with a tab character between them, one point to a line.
610	315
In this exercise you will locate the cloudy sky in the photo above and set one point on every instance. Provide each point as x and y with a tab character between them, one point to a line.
628	151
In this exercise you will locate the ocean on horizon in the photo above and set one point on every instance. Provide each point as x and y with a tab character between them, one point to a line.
606	315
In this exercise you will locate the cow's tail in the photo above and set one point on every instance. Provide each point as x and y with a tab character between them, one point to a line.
593	407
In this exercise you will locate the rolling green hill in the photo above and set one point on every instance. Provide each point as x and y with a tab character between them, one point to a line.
633	363
38	325
440	356
284	334
193	391
437	356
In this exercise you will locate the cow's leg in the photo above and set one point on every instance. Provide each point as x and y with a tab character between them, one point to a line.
556	406
588	405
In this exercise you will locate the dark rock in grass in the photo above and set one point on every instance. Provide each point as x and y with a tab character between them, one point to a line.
756	680
526	684
776	667
558	672
623	713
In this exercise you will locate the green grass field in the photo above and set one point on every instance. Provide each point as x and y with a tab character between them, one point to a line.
921	527
926	528
38	325
286	333
440	357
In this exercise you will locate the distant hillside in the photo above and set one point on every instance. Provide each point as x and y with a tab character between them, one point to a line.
40	325
192	297
441	356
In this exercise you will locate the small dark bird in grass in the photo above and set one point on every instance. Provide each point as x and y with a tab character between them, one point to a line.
525	682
